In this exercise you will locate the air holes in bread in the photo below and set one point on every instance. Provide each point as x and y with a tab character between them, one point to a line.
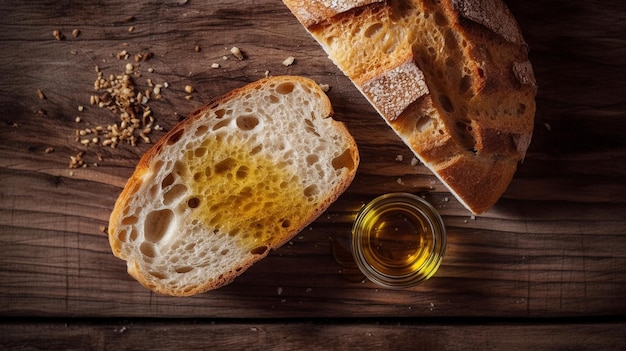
312	159
129	220
242	172
311	190
373	30
194	202
147	249
285	223
174	138
221	124
185	269
220	113
310	127
174	193
343	161
157	223
259	250
446	104
247	122
285	88
225	165
167	181
465	84
201	130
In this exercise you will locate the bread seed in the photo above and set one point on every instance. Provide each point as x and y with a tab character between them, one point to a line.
237	53
75	33
41	95
58	35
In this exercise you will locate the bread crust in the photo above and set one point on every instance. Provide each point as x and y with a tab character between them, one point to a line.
118	228
452	78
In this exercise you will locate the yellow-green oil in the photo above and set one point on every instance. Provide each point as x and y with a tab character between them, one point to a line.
398	240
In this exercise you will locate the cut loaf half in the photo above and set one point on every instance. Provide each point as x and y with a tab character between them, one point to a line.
451	78
236	179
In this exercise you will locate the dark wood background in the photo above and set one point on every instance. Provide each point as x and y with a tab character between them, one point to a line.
544	269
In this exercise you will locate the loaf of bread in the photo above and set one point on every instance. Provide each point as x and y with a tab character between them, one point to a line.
451	78
236	179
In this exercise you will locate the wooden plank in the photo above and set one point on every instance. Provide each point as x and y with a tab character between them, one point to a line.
220	335
554	246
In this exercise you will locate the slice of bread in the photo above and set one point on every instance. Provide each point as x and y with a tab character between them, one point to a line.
451	78
236	179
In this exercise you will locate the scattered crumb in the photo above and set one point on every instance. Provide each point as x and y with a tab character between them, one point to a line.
103	228
215	65
49	150
75	33
131	29
400	181
414	161
189	89
58	35
399	158
289	61
77	161
473	217
325	87
237	53
197	48
548	127
40	94
279	290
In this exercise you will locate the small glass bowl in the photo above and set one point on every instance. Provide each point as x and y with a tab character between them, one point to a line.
398	240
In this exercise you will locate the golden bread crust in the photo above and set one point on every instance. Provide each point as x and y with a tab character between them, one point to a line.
465	107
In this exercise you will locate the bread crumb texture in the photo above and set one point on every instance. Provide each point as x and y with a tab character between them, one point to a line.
237	179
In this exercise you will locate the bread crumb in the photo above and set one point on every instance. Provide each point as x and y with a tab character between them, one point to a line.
399	158
279	290
414	161
49	150
215	65
289	61
131	29
40	94
473	217
325	87
548	127
197	48
237	53
75	33
58	35
189	89
400	181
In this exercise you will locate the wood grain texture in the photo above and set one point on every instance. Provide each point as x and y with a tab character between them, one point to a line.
255	335
554	246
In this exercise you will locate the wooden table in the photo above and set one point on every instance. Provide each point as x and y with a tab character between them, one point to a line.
544	269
